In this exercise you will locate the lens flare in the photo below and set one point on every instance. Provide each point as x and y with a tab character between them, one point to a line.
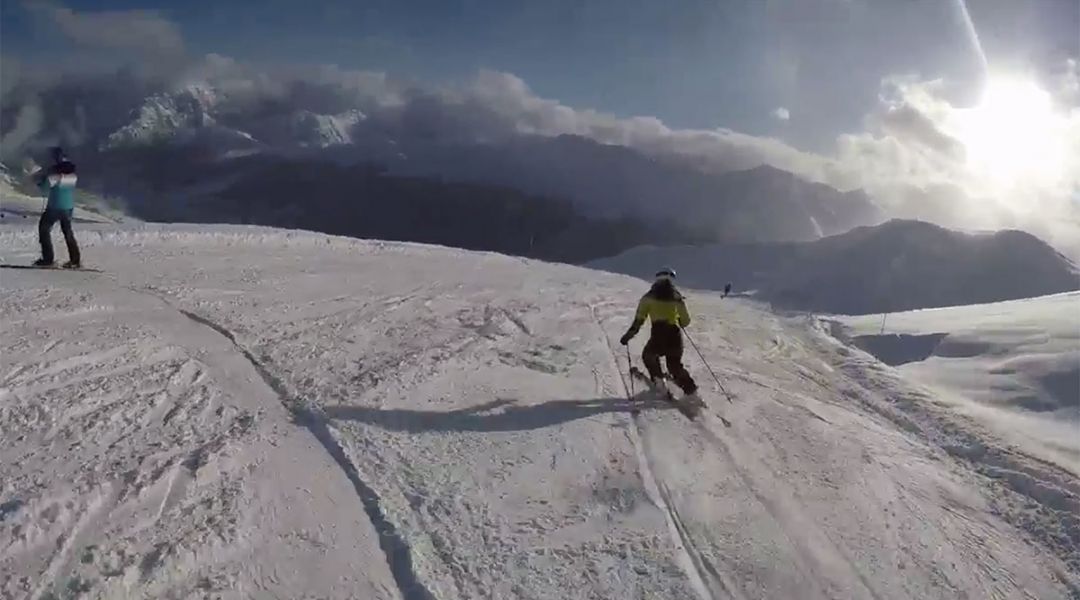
1013	135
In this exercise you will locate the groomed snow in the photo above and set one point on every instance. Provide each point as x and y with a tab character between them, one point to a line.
235	412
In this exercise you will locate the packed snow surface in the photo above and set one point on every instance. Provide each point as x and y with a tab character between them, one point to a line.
249	413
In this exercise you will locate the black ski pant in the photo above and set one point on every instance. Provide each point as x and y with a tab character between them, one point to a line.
45	225
666	341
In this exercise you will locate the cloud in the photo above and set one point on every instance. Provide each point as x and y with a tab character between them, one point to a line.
11	70
910	160
908	123
28	123
519	109
489	107
781	114
907	157
139	30
1068	82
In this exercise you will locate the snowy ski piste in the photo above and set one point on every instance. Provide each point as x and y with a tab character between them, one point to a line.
242	412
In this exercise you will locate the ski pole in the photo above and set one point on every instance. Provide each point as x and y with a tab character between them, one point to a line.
706	363
630	370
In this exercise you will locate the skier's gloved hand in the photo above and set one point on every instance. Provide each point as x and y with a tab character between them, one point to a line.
630	333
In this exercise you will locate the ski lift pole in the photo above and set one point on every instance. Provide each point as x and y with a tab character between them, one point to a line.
706	363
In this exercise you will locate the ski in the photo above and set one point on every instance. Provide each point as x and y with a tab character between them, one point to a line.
50	268
690	410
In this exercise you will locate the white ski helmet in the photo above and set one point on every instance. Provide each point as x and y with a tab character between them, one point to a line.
665	274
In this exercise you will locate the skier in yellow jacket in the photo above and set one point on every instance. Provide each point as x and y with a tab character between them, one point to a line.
666	308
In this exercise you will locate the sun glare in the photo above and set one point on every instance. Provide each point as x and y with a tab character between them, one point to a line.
1013	136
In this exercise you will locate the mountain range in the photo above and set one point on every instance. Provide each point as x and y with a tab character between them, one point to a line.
173	153
308	158
899	265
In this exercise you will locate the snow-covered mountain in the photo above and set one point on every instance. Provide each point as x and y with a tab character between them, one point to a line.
238	410
311	130
898	265
156	145
164	118
197	112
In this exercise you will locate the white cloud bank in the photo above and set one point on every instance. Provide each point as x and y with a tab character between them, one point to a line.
908	157
912	159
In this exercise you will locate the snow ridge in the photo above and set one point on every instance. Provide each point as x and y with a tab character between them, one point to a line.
394	546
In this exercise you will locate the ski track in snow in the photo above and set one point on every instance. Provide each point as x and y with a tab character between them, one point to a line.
233	412
659	495
395	548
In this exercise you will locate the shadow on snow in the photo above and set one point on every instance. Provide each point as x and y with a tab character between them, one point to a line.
498	415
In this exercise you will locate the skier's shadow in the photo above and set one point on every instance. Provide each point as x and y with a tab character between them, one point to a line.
497	415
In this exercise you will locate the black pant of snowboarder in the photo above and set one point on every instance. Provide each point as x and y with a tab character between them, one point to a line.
666	342
49	218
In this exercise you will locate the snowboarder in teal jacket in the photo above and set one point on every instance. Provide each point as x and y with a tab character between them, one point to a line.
58	182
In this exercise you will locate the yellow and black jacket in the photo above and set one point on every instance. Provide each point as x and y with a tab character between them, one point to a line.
664	306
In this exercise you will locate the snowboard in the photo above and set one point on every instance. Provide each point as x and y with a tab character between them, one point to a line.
52	268
689	408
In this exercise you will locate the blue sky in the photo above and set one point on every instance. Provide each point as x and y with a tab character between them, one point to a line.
692	63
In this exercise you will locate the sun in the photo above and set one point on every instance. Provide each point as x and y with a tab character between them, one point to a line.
1013	136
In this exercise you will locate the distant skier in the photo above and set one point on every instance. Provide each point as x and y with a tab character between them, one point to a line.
727	290
666	308
58	181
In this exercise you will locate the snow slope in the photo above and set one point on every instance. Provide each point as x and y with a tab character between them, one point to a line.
1015	365
235	412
